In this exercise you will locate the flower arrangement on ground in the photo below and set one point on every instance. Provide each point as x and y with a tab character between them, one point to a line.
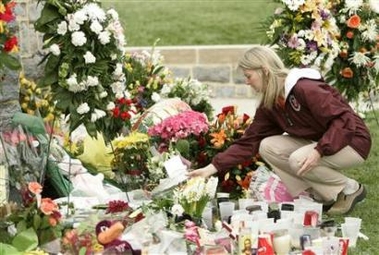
228	127
124	112
8	40
145	76
84	65
184	132
355	71
156	167
194	195
131	154
40	214
305	33
191	91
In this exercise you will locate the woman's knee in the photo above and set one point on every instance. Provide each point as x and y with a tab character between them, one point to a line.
294	162
266	147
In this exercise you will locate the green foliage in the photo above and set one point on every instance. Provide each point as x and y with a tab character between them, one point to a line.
368	175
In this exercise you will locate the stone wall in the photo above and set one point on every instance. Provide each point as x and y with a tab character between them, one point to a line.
26	12
214	65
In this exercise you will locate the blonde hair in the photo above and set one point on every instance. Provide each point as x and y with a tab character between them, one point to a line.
270	67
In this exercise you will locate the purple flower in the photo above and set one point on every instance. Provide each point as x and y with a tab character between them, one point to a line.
324	14
312	46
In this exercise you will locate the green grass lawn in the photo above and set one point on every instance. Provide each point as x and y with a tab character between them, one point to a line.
192	22
368	174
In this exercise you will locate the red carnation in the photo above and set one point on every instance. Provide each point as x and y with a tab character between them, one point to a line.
10	44
125	115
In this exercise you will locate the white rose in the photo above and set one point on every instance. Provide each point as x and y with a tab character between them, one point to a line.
62	28
78	38
89	58
55	50
83	108
104	37
96	27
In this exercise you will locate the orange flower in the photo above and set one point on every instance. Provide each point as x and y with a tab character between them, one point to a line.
347	73
245	183
35	188
350	34
48	206
354	21
218	139
221	118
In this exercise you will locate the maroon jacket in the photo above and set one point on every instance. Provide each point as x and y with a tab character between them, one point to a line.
312	110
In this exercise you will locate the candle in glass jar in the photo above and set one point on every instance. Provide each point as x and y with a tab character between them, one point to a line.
282	243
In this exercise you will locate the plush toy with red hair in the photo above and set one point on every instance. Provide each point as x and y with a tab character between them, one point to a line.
108	234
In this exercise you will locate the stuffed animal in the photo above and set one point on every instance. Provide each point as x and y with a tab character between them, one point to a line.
108	234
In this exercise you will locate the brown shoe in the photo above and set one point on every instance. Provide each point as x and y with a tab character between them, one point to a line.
346	203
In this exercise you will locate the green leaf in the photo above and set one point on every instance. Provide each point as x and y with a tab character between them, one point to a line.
52	64
48	79
26	240
10	61
48	14
8	249
36	221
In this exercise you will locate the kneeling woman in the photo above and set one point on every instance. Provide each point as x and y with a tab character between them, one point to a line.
304	129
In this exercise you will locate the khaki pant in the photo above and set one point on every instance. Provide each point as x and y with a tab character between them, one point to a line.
284	153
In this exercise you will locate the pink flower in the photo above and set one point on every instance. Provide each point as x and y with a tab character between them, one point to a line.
48	206
35	188
180	126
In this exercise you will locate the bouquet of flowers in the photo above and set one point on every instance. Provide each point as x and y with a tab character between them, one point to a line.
131	154
194	195
124	111
145	77
305	33
156	167
8	40
36	101
84	67
227	128
40	214
191	91
183	131
356	68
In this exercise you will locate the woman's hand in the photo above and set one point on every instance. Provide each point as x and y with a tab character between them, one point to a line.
309	163
203	172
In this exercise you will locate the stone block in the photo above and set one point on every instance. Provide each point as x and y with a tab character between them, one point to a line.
180	72
213	74
220	55
179	56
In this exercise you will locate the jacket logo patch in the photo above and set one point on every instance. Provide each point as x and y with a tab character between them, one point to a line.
294	103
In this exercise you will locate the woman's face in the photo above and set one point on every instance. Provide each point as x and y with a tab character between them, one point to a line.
253	79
